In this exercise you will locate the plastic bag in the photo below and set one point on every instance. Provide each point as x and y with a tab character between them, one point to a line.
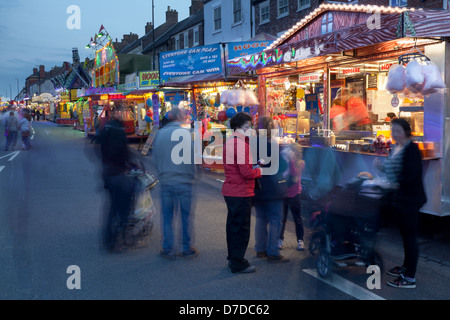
396	82
433	82
250	98
414	77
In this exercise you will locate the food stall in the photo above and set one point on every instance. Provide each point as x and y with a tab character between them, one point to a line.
325	85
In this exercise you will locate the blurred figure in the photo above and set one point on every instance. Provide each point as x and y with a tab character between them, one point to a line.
268	202
11	129
403	169
338	115
25	128
292	201
116	161
176	186
238	191
97	126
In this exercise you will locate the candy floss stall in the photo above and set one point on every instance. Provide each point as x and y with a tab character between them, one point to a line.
334	81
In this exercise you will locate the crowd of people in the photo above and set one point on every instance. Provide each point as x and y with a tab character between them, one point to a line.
16	124
246	187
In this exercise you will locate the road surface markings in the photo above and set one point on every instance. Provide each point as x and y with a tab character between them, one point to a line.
33	132
13	155
345	286
220	180
1	168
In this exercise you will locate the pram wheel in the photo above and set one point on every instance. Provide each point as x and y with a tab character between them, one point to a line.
323	264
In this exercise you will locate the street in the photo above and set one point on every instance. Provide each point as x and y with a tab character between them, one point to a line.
51	207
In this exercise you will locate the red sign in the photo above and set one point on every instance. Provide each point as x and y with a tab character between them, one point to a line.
351	70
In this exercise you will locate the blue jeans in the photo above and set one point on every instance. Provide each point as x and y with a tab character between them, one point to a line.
173	197
268	213
11	140
26	142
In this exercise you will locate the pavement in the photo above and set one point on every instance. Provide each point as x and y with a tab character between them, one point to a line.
434	235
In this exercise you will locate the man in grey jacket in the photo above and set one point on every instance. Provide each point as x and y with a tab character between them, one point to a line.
11	128
176	182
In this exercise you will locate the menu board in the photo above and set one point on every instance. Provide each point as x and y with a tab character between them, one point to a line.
372	82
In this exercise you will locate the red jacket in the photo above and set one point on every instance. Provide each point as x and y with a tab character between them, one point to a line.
239	175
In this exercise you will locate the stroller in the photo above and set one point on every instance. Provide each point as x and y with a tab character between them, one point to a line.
346	229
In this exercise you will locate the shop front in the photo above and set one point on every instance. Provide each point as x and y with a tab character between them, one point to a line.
324	84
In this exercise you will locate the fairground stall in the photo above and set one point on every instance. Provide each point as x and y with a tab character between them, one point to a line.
201	74
334	89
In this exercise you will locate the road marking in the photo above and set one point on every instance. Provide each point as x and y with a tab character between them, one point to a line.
13	155
32	136
220	180
1	168
345	286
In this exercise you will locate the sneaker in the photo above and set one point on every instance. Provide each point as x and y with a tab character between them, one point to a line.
191	253
280	244
396	271
167	255
249	269
276	259
300	245
261	255
402	282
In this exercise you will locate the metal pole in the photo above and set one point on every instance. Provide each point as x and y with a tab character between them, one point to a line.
10	92
17	88
153	33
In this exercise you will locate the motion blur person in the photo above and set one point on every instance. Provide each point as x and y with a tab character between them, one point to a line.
176	186
403	169
292	200
116	161
238	191
25	128
11	129
268	201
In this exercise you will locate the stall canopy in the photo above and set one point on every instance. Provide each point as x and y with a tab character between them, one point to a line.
325	31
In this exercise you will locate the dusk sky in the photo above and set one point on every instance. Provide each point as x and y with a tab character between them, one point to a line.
35	32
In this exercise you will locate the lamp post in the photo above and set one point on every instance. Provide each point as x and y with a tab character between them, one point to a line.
153	33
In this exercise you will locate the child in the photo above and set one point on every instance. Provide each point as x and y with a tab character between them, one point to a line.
293	155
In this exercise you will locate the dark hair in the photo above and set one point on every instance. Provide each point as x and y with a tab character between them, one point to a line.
239	119
404	124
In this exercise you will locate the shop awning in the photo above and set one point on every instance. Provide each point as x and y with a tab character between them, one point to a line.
190	81
369	25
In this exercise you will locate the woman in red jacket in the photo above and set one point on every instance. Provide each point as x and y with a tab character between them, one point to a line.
238	190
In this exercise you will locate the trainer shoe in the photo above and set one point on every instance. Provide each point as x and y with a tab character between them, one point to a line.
277	259
396	271
300	245
402	282
249	269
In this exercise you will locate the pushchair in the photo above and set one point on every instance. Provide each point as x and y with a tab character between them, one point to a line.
346	230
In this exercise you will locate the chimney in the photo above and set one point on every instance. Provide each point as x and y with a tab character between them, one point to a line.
42	71
148	27
196	5
171	16
35	70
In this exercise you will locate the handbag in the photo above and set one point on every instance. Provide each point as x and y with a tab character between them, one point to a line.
6	132
26	133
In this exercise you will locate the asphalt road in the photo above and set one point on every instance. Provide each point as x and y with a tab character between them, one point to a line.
51	207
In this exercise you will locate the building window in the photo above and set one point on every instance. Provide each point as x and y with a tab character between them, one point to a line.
186	40
196	37
264	12
303	4
283	8
398	3
177	43
217	19
237	11
327	23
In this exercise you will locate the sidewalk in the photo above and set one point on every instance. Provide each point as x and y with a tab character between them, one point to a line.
434	233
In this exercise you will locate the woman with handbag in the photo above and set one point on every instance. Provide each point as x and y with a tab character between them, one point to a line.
25	129
403	169
268	200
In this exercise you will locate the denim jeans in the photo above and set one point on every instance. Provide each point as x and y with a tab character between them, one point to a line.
173	197
268	213
26	142
11	140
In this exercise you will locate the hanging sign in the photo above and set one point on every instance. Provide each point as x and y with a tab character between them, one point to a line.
239	49
148	79
189	62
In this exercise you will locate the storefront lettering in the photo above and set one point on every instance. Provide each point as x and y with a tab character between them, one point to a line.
100	90
351	70
251	45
